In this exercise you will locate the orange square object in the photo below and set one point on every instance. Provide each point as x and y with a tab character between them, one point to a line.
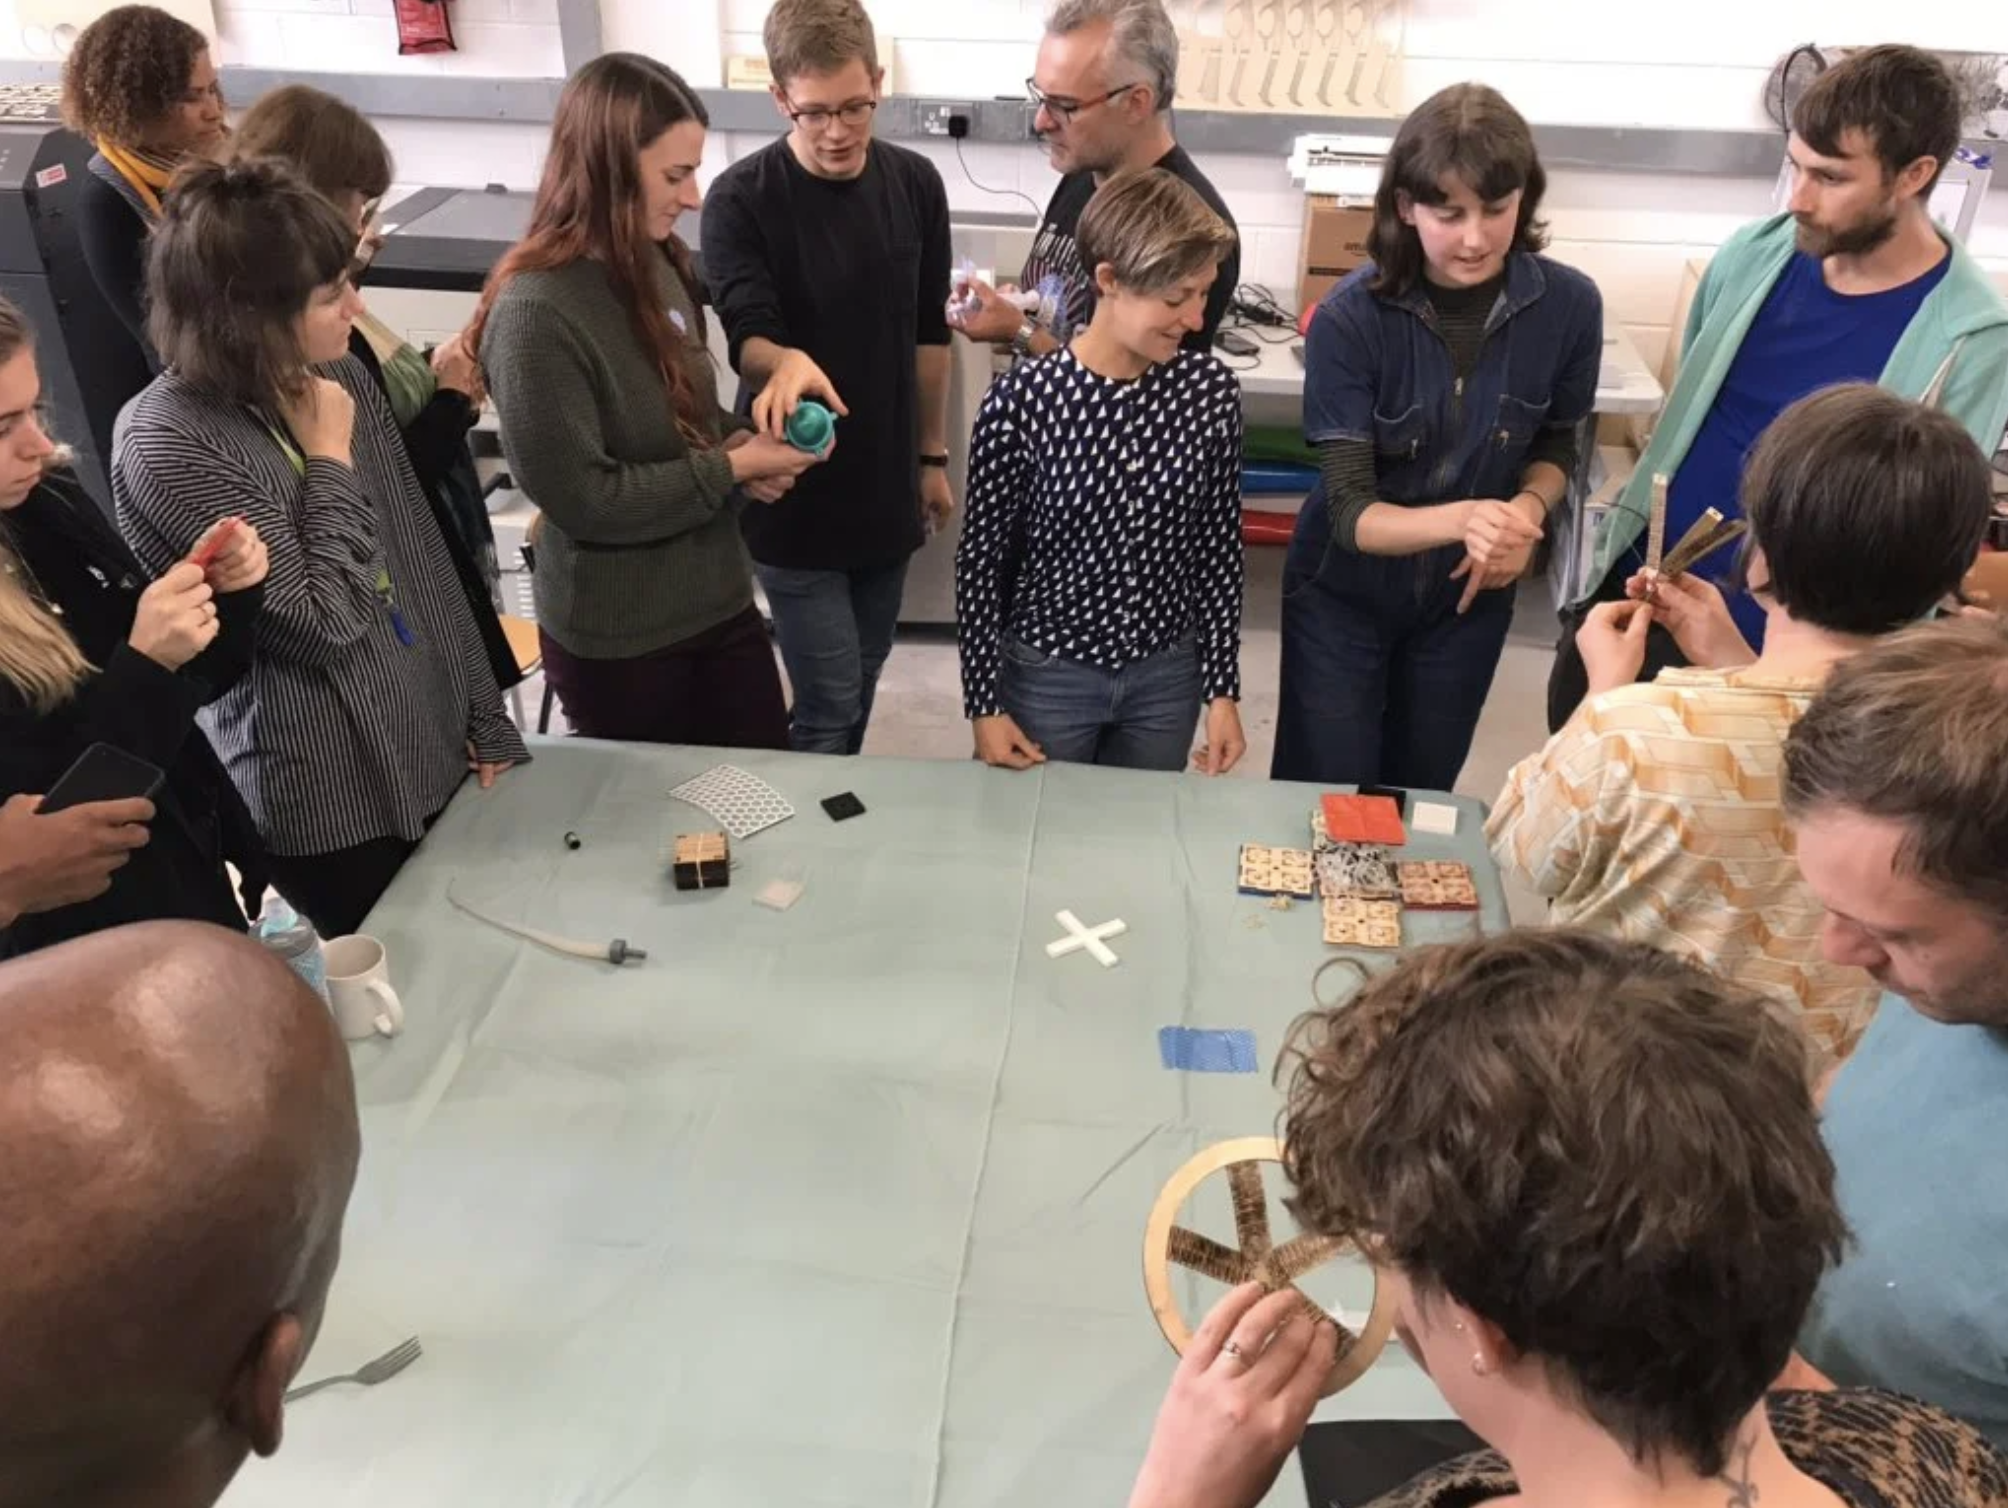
1364	819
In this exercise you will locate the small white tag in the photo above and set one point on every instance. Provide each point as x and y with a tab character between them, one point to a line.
676	318
778	895
1433	817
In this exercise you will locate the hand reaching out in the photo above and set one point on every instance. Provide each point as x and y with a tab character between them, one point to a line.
993	320
794	378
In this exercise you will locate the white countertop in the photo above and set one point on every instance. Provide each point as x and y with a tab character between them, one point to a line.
1627	385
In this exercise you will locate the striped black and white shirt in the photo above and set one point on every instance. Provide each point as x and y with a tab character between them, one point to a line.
342	733
1103	522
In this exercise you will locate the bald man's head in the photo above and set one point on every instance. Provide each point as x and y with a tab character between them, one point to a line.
177	1145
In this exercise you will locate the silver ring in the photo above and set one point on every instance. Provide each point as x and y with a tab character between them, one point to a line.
1233	1352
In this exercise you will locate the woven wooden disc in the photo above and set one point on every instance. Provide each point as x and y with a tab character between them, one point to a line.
1256	1259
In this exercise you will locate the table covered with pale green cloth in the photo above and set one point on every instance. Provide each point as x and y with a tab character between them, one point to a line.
837	1205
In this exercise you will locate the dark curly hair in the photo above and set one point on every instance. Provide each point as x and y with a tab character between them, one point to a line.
127	72
1609	1153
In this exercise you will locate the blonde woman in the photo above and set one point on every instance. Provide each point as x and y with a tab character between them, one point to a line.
92	652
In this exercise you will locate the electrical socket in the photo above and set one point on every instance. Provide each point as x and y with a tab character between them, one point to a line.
934	115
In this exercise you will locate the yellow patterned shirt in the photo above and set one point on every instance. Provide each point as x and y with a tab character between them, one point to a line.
1654	815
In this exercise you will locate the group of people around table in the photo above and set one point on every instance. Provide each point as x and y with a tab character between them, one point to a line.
1625	1240
1614	1214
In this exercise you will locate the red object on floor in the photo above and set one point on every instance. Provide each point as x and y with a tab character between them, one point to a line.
424	26
1364	819
1262	528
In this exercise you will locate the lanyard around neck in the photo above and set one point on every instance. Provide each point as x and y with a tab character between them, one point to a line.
386	593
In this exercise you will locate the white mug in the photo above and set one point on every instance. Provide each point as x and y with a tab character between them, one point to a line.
359	989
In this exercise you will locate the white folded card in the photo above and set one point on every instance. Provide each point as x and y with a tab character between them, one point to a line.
1433	817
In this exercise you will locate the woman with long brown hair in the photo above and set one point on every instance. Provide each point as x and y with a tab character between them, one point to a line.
91	652
593	340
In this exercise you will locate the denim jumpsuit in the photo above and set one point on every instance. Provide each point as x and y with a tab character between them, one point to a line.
1382	680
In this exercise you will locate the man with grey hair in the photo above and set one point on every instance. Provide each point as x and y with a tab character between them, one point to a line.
1103	85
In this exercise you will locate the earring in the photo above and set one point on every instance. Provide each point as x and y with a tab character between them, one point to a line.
1480	1367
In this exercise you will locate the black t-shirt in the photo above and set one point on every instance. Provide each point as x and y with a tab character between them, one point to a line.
1055	262
854	272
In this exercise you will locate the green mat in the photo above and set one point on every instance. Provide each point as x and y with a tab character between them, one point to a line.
1276	442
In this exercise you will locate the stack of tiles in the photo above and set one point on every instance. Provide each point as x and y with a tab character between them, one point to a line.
701	861
1351	922
1276	871
1437	886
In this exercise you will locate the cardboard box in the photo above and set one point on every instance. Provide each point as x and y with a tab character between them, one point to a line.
1335	242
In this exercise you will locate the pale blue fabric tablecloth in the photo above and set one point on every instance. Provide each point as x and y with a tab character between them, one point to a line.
842	1205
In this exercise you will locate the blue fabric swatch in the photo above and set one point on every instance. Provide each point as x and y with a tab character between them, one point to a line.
1196	1051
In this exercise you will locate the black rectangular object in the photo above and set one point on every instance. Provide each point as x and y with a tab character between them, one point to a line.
102	773
1397	794
843	807
1351	1464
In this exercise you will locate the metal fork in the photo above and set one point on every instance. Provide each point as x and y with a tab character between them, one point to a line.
370	1374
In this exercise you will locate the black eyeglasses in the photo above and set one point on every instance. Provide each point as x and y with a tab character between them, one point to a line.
856	113
1064	110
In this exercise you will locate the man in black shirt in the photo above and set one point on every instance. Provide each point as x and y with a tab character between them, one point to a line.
827	255
1103	85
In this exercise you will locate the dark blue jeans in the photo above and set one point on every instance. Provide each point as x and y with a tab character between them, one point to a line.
835	629
1382	681
1141	717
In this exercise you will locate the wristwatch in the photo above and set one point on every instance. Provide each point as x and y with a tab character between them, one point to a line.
1021	343
940	461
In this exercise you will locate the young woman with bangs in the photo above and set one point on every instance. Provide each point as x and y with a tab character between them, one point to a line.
369	697
1443	385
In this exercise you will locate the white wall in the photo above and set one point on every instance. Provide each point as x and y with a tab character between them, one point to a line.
1574	61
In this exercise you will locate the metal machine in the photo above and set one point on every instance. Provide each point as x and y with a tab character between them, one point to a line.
446	240
90	364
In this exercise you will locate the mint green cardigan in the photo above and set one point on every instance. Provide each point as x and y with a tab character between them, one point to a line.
1954	355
